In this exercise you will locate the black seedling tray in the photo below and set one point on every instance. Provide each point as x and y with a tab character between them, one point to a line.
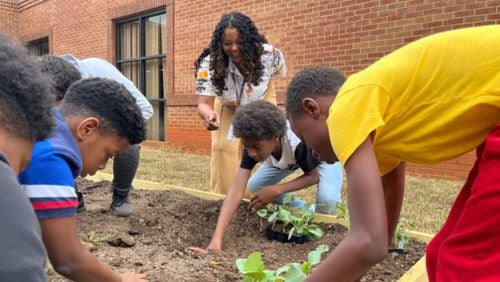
283	237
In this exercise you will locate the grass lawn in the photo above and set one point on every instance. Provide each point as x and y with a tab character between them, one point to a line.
427	201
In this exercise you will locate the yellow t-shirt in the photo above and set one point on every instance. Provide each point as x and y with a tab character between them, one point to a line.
432	100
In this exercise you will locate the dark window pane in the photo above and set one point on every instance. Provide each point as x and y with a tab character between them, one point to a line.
38	47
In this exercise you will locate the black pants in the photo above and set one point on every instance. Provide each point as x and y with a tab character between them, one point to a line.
124	168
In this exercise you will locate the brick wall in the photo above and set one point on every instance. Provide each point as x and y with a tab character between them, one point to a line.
8	17
347	34
83	28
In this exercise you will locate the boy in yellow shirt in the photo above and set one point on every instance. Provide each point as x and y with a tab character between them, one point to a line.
432	100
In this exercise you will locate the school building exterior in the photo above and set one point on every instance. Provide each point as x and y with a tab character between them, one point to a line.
155	42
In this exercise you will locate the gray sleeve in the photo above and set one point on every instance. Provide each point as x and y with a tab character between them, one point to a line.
95	67
22	255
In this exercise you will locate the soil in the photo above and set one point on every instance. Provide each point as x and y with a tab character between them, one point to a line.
154	240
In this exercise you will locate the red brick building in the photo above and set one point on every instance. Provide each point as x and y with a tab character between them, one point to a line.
155	43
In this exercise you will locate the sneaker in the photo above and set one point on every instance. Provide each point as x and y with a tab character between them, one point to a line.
81	203
121	205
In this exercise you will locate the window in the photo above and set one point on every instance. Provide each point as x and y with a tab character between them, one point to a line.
38	47
140	54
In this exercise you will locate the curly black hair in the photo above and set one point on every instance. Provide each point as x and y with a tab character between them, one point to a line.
61	72
110	102
315	81
25	94
259	120
251	66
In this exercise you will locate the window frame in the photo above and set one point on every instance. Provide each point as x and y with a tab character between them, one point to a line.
37	43
142	59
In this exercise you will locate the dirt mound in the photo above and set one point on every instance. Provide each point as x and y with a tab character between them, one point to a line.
155	238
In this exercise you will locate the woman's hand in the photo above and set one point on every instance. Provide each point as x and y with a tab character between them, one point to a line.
211	120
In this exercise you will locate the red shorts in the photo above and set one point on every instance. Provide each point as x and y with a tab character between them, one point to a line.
467	248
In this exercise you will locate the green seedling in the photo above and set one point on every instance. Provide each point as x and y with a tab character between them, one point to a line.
253	268
401	239
92	238
342	212
291	221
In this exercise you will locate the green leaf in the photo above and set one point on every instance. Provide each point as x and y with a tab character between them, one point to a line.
254	262
285	216
272	217
262	213
255	276
295	274
240	264
270	275
306	267
314	257
315	231
281	270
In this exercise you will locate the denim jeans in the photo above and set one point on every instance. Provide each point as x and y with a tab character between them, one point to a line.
329	185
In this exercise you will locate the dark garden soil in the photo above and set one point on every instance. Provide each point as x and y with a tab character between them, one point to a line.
155	239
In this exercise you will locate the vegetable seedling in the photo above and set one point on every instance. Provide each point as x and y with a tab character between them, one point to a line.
294	222
253	268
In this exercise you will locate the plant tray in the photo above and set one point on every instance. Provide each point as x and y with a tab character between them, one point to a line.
283	237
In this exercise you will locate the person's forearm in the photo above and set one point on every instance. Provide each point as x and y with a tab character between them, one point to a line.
350	260
366	242
86	267
393	184
230	205
204	109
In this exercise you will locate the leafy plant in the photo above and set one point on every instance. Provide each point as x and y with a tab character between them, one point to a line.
92	238
342	212
401	239
291	221
253	269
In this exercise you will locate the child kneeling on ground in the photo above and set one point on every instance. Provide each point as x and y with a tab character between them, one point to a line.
268	139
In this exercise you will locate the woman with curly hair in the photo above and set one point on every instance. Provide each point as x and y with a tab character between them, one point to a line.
237	68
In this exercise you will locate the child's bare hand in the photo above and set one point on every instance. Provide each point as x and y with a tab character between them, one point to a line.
263	197
133	277
211	246
199	250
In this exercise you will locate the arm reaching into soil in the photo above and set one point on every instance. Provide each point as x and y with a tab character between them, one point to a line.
266	195
228	209
71	259
211	119
367	241
394	183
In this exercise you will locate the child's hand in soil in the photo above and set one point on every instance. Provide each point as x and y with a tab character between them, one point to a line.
133	277
263	197
199	250
212	246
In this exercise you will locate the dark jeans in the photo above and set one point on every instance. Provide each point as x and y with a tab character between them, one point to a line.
124	168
